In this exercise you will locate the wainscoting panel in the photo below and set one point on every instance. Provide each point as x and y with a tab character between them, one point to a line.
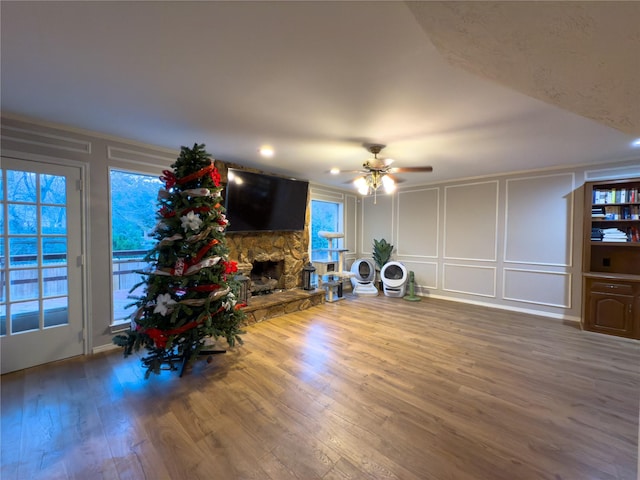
37	138
425	273
539	227
534	286
418	223
471	279
470	221
137	157
629	171
377	221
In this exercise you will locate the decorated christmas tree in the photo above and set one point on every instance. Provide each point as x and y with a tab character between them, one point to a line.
190	295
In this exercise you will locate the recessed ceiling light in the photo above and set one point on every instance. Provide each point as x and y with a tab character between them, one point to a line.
636	143
266	151
334	171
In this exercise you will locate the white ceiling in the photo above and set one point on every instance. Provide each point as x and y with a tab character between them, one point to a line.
316	80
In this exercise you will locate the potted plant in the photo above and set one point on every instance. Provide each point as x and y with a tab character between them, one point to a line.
381	255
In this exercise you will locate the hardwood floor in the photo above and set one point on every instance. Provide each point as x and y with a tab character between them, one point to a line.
366	388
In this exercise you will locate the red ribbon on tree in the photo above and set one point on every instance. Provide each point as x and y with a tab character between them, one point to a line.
161	337
200	173
202	252
170	180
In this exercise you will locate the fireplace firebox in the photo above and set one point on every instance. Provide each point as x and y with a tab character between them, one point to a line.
266	276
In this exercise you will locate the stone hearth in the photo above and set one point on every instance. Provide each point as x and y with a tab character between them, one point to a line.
264	307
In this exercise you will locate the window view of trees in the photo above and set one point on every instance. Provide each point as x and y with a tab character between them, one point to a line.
133	209
133	217
325	216
22	195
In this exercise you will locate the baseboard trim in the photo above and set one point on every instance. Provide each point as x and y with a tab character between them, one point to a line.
528	311
104	348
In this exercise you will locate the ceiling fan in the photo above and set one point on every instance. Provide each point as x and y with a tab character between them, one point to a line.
378	172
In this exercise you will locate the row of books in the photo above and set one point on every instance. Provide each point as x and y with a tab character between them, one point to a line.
616	212
632	234
615	195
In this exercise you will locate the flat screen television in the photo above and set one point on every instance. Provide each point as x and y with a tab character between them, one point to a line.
257	202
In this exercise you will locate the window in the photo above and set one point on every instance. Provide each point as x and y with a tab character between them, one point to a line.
325	216
133	217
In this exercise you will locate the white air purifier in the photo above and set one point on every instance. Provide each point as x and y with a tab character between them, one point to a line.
364	276
394	277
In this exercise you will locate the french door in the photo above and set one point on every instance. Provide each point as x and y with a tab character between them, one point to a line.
41	309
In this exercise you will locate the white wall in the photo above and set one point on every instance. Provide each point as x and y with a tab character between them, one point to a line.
511	241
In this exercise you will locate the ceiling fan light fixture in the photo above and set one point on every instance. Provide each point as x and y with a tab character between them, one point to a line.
388	184
379	173
362	185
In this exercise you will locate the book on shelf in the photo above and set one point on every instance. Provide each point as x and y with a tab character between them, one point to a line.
612	212
613	235
596	234
597	212
602	196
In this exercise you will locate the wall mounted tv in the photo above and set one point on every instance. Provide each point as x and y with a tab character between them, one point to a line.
257	202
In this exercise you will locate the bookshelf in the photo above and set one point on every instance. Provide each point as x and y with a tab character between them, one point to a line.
611	261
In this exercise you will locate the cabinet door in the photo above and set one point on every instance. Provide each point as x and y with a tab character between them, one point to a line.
611	314
636	318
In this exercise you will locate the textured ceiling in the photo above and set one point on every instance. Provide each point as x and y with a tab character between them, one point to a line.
581	56
316	80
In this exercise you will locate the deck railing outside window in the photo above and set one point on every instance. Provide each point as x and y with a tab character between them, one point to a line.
126	265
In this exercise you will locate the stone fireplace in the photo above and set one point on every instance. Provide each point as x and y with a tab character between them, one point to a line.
279	256
287	249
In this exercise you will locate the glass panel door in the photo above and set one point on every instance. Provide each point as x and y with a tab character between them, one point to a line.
40	280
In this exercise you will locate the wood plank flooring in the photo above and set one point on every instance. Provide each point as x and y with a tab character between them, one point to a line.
366	388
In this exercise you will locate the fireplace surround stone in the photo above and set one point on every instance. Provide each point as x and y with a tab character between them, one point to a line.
288	247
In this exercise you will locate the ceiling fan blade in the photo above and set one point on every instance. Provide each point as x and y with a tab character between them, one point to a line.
410	169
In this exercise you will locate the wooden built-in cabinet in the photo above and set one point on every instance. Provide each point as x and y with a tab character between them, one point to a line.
612	306
611	263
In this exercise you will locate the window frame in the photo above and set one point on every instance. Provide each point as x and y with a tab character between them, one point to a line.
122	323
327	197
